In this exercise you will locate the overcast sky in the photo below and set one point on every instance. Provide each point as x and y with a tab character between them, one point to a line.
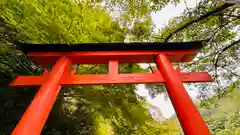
162	17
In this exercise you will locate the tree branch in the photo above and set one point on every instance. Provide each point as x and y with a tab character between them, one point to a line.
222	51
197	20
231	72
186	6
229	15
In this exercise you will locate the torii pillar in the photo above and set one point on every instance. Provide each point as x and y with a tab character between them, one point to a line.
62	56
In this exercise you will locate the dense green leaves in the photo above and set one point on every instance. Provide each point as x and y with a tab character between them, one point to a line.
60	22
113	109
81	110
220	55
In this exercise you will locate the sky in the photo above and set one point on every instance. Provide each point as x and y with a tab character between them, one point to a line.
160	19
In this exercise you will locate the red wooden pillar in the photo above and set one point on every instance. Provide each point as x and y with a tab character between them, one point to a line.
188	115
36	114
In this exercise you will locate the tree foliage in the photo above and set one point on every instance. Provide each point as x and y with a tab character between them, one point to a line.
225	118
113	109
219	31
101	109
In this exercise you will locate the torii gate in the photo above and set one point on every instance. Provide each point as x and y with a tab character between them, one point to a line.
63	55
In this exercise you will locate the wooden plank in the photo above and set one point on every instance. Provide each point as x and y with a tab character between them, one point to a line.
46	58
97	79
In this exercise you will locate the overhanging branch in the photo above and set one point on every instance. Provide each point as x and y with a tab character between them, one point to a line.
197	20
222	51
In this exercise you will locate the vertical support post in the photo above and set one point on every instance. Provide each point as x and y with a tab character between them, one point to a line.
36	114
188	115
113	68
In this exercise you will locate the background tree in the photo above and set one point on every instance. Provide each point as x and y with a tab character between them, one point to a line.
102	109
113	109
217	24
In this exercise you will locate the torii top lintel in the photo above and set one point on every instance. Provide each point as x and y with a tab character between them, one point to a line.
101	53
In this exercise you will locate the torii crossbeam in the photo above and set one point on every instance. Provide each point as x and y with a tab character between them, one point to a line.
61	56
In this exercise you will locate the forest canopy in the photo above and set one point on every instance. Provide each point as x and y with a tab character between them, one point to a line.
117	109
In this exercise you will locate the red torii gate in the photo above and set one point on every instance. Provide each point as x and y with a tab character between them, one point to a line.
62	56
